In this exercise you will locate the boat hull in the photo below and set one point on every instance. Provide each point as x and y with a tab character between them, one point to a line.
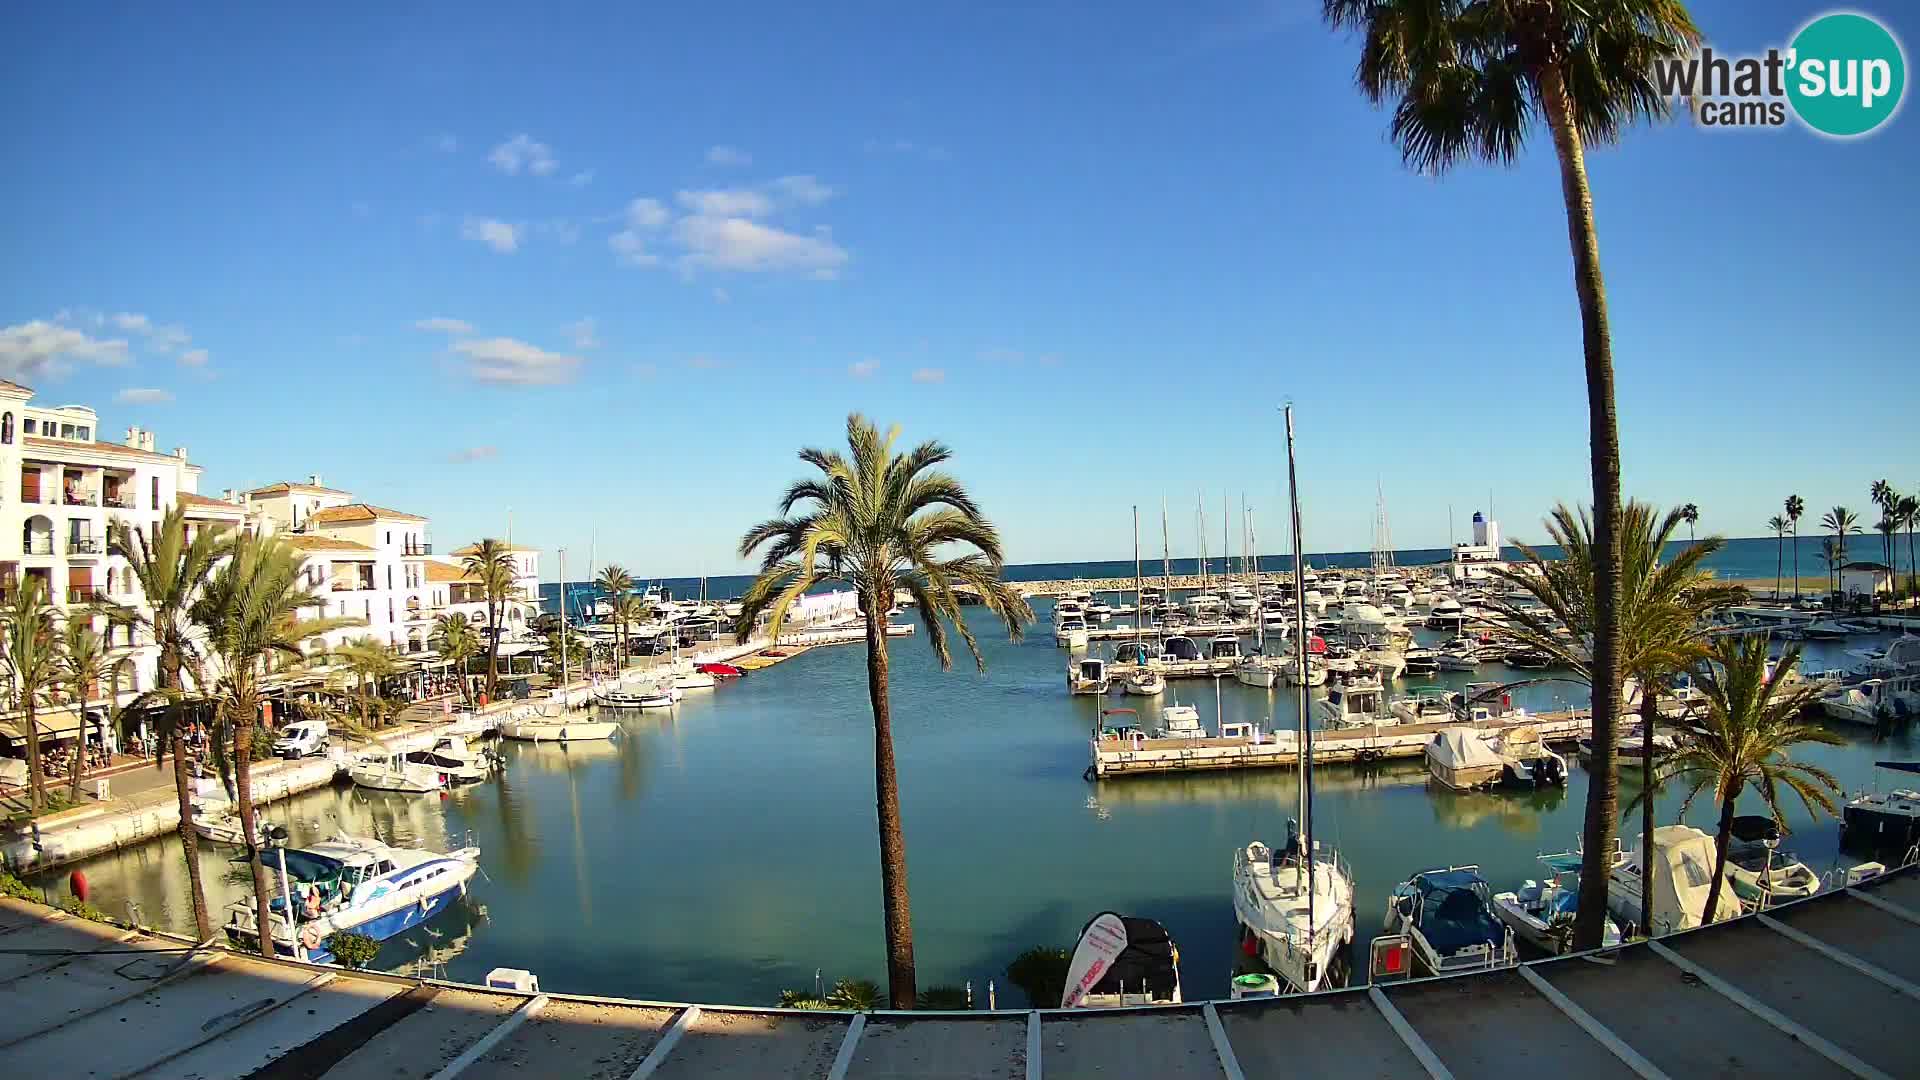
380	928
583	731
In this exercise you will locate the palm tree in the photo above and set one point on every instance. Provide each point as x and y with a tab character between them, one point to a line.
1839	521
490	562
616	583
1779	526
83	660
1469	80
1751	722
1660	632
628	610
1795	506
170	568
1908	511
30	657
877	520
1691	515
453	635
370	661
1888	527
1884	497
251	612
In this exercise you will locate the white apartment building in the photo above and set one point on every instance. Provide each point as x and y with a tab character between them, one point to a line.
62	488
461	593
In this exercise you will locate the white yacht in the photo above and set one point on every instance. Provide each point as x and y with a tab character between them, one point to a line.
1390	662
458	762
1871	701
1180	722
1296	910
1759	871
1525	759
1354	704
1682	875
219	822
1146	682
393	772
1428	705
558	726
1089	676
1071	632
1224	647
1262	671
355	884
1887	820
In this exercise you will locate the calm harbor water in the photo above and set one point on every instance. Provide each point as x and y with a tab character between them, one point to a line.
726	850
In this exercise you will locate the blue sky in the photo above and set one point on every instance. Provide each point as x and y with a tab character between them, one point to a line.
610	266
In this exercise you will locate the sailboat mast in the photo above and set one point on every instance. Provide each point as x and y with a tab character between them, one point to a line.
1200	533
564	678
1300	670
1139	605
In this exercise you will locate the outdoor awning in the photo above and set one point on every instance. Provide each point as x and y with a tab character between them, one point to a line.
517	648
56	725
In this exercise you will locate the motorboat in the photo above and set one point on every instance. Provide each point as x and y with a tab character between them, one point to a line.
1122	961
1683	862
1467	659
1390	662
1420	663
1541	913
721	671
1072	633
1828	630
1354	705
1630	749
1180	722
1064	609
1180	649
1295	912
1203	604
1883	820
1135	654
1145	682
658	696
1447	916
393	772
1759	872
1900	657
1460	759
219	823
1316	672
1224	647
1528	660
1098	612
1871	702
558	727
458	762
694	680
1525	760
1089	676
622	699
354	884
1427	705
1260	671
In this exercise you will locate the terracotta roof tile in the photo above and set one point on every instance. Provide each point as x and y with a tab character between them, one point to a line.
201	502
352	512
307	542
442	572
98	447
283	488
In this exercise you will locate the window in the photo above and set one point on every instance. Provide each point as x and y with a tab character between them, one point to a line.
84	434
155	505
389	569
389	537
30	425
6	428
66	431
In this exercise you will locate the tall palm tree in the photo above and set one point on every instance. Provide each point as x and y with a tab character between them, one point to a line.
453	635
1690	514
490	562
616	583
1887	499
1908	511
1779	526
1888	527
84	660
30	657
1469	80
1744	739
170	567
1839	521
628	611
1661	632
882	521
1795	507
370	661
251	611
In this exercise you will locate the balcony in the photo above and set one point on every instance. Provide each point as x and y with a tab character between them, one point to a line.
85	596
83	545
80	498
119	500
37	545
423	547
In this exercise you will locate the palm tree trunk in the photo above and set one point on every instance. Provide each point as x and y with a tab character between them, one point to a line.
79	754
189	840
1649	716
493	651
36	778
1796	561
1779	558
1603	793
1913	568
243	778
893	846
1719	858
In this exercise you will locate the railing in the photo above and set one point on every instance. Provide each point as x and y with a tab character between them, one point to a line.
352	586
424	548
84	596
83	545
80	498
41	546
119	502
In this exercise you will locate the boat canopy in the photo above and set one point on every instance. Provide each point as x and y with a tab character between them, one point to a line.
1150	960
1899	766
1754	829
302	866
1463	748
1455	912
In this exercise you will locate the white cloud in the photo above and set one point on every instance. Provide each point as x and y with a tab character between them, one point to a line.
735	243
646	214
193	358
136	324
801	190
442	325
863	369
471	454
929	375
583	333
580	179
727	202
501	236
143	396
728	156
510	362
629	246
522	152
36	347
443	143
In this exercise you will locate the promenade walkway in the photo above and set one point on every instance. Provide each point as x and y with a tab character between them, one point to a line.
1822	987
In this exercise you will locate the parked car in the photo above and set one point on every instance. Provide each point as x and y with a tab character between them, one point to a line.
301	738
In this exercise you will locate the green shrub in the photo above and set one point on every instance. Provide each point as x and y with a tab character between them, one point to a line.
73	905
19	890
1041	972
943	998
351	949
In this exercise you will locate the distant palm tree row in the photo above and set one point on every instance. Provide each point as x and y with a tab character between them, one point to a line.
1897	512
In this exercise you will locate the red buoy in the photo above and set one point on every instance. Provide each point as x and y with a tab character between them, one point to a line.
77	881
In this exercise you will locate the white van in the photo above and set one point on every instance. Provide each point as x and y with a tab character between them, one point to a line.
301	738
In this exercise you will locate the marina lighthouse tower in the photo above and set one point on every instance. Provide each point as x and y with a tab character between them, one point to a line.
1472	562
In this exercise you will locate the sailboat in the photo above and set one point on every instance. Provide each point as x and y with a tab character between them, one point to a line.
553	722
1295	905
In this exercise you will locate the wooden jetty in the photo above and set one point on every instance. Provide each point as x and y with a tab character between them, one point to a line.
1281	750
